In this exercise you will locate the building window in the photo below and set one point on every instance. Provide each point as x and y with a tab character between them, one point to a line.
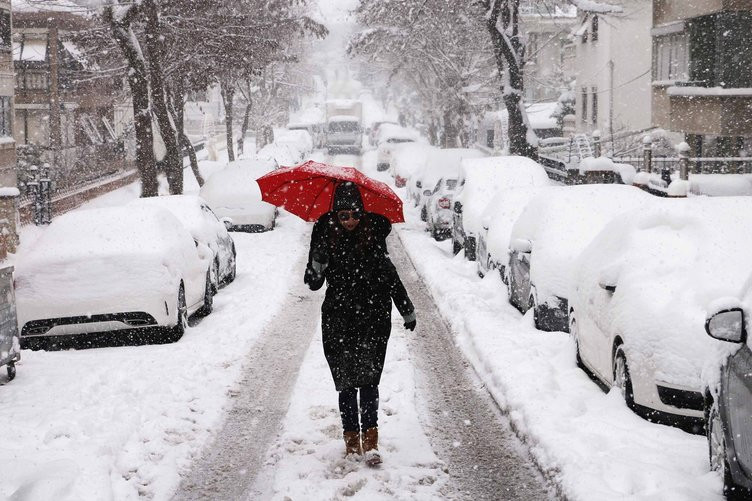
584	104
671	61
594	29
6	116
5	29
594	107
719	52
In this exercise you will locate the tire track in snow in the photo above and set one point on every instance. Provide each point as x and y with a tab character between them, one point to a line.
467	430
232	460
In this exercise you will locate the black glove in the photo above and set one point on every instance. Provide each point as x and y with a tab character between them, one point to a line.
409	321
319	261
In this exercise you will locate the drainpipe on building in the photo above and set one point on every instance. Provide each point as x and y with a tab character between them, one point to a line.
611	102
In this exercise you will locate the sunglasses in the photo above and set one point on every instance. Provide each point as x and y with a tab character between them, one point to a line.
347	214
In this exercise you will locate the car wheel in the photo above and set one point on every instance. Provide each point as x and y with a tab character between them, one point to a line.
575	333
208	306
622	379
233	266
214	270
718	456
175	333
423	214
11	369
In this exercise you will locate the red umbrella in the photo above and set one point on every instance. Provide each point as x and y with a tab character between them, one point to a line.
307	190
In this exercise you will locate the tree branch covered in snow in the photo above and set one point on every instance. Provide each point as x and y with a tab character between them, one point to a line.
596	7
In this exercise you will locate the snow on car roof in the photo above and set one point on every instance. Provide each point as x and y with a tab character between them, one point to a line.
669	263
500	215
188	210
85	234
409	158
482	178
445	162
235	185
393	131
562	221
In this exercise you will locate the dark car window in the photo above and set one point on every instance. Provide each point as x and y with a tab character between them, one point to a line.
438	185
451	184
399	140
344	127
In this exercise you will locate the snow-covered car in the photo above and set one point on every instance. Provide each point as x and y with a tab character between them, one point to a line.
315	130
441	162
281	155
407	160
729	397
480	180
389	136
234	196
205	228
438	207
641	292
548	237
492	253
112	269
298	141
373	131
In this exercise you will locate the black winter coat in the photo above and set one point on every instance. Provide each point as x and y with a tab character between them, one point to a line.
362	282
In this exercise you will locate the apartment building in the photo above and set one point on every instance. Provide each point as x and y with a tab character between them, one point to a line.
612	69
702	73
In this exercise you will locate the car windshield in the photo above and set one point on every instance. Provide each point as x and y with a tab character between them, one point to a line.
343	127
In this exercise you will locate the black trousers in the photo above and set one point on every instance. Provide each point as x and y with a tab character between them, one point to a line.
369	408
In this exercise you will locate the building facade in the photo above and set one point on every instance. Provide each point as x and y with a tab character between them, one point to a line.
547	37
63	107
8	190
702	74
612	69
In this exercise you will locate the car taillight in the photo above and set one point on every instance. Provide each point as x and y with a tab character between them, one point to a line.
444	203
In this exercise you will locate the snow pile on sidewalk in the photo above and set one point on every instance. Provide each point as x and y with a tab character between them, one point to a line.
120	423
590	443
307	463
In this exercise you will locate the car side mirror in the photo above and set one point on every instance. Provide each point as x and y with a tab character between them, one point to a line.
607	287
727	325
228	223
522	245
427	193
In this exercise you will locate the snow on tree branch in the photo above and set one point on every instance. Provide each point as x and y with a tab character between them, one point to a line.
596	7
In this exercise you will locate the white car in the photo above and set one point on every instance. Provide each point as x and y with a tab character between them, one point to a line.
279	155
298	141
407	160
438	207
234	196
480	180
550	234
441	162
315	129
112	269
642	292
498	219
205	228
390	135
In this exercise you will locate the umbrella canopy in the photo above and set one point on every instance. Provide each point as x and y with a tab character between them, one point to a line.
307	190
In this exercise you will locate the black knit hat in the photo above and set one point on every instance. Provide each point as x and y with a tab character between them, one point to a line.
347	197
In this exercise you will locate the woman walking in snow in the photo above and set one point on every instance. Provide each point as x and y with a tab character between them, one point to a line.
348	250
